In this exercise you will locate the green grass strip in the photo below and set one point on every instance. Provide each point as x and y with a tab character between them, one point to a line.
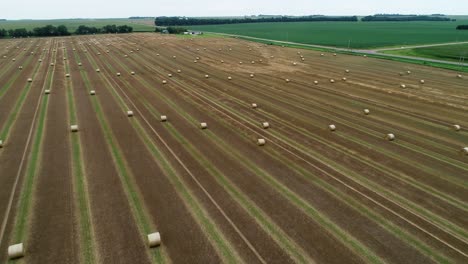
131	191
85	225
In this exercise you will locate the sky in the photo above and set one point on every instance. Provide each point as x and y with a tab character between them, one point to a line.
52	9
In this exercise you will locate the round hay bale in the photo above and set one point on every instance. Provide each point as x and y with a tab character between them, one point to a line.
456	127
67	75
13	59
254	105
334	54
64	58
40	60
332	127
294	63
344	79
322	55
403	86
132	73
252	75
16	251
390	137
195	61
129	113
179	71
261	142
459	76
408	72
316	82
207	76
157	54
98	70
222	61
99	53
240	62
332	81
203	125
20	67
1	143
92	92
154	239
253	62
52	64
272	57
79	64
197	58
302	59
287	80
30	80
169	75
174	57
47	91
126	56
347	71
265	125
229	78
260	60
465	150
422	81
118	74
74	128
366	111
163	118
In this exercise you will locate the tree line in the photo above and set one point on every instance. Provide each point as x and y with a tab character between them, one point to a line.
62	30
396	18
462	27
185	21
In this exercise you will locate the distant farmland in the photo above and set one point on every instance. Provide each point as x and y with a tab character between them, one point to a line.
360	35
72	24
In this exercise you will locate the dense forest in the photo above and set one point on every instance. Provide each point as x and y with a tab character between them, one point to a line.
462	27
185	21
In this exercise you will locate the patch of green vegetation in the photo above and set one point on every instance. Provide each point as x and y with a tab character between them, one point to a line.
356	35
456	53
72	24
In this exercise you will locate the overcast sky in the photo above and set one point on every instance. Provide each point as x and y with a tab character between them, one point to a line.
46	9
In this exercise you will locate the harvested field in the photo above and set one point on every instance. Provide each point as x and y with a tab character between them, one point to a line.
311	193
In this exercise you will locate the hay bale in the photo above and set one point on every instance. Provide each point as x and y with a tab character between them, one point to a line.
1	143
253	62
366	111
47	91
64	58
154	239
408	72
252	75
294	63
261	142
229	78
20	67
129	113
163	118
13	59
332	127
118	74
459	76
195	61
16	251
287	80
132	73
157	54
332	81
203	125
456	127
126	56
79	64
164	81
52	64
347	71
302	59
207	76
403	86
334	54
222	61
67	75
174	57
265	125
322	55
179	71
390	137
98	70
40	60
254	105
465	150
344	79
92	92
74	128
240	62
422	81
29	79
316	82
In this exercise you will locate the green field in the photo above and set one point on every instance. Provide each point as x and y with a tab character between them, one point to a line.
72	24
360	35
448	52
